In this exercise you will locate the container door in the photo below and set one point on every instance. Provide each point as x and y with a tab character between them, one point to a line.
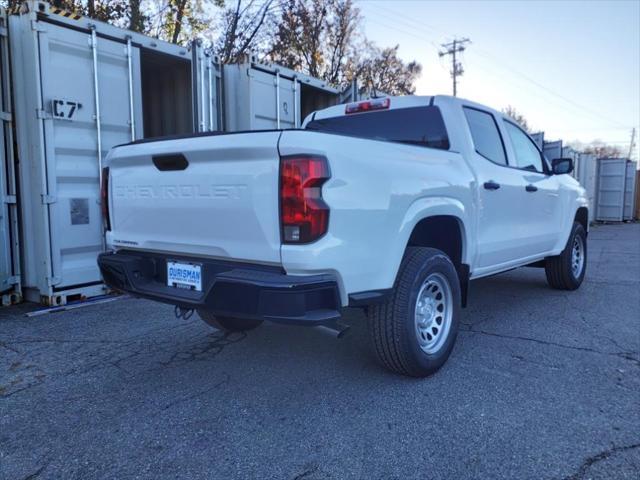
611	180
275	101
206	76
629	191
90	104
9	252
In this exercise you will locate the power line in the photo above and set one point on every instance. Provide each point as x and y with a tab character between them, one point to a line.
453	48
503	65
411	23
419	26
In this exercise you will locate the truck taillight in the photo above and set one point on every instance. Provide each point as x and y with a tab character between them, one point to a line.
104	198
304	217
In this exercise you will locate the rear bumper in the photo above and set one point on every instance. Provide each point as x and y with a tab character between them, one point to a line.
228	288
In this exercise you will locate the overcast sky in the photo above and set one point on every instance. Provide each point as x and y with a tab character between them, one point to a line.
571	67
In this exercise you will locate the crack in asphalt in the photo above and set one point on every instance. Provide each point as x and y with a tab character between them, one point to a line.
590	461
35	474
31	385
57	340
105	356
7	347
209	350
197	395
626	355
306	473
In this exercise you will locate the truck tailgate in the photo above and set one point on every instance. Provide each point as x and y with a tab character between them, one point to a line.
223	204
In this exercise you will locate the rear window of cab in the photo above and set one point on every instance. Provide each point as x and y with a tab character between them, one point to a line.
421	126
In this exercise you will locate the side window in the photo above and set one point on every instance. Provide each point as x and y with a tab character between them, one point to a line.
486	136
528	157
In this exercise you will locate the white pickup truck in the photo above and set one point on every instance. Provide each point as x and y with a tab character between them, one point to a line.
391	204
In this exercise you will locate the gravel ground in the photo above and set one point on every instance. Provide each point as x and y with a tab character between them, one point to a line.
542	384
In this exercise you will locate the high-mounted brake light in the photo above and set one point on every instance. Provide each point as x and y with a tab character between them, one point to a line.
104	198
304	217
368	105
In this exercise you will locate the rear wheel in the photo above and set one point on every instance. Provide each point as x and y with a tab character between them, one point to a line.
566	271
413	333
228	324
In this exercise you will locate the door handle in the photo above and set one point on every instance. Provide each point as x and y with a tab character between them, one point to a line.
491	185
531	188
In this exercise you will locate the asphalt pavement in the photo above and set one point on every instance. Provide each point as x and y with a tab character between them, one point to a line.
542	384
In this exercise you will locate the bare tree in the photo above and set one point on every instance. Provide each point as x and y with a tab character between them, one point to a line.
323	39
381	71
177	21
244	28
317	37
517	117
137	18
603	150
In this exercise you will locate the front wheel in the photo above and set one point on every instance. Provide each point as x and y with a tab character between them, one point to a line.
413	333
566	271
228	324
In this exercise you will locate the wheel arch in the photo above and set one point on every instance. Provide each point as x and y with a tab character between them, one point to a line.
440	223
582	217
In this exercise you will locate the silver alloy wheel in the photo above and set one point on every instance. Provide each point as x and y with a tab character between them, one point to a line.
577	256
433	313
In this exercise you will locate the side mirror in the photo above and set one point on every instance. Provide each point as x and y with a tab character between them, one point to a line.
560	166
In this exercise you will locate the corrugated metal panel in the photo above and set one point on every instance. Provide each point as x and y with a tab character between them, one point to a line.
629	190
259	96
9	242
611	186
80	93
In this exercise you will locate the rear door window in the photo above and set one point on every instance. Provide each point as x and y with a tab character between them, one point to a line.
421	126
486	136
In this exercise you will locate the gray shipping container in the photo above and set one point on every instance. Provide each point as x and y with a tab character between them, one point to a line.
552	150
587	174
568	152
629	190
10	288
611	189
538	138
80	88
260	96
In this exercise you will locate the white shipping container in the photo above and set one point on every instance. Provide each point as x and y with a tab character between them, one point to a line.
552	150
262	97
587	176
80	88
568	152
629	190
611	189
538	138
10	289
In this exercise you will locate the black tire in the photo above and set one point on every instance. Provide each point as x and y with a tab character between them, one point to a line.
394	332
559	269
228	324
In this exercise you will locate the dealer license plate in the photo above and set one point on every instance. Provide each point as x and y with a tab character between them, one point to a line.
184	275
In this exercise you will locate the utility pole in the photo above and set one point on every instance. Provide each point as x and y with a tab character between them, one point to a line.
632	143
457	46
